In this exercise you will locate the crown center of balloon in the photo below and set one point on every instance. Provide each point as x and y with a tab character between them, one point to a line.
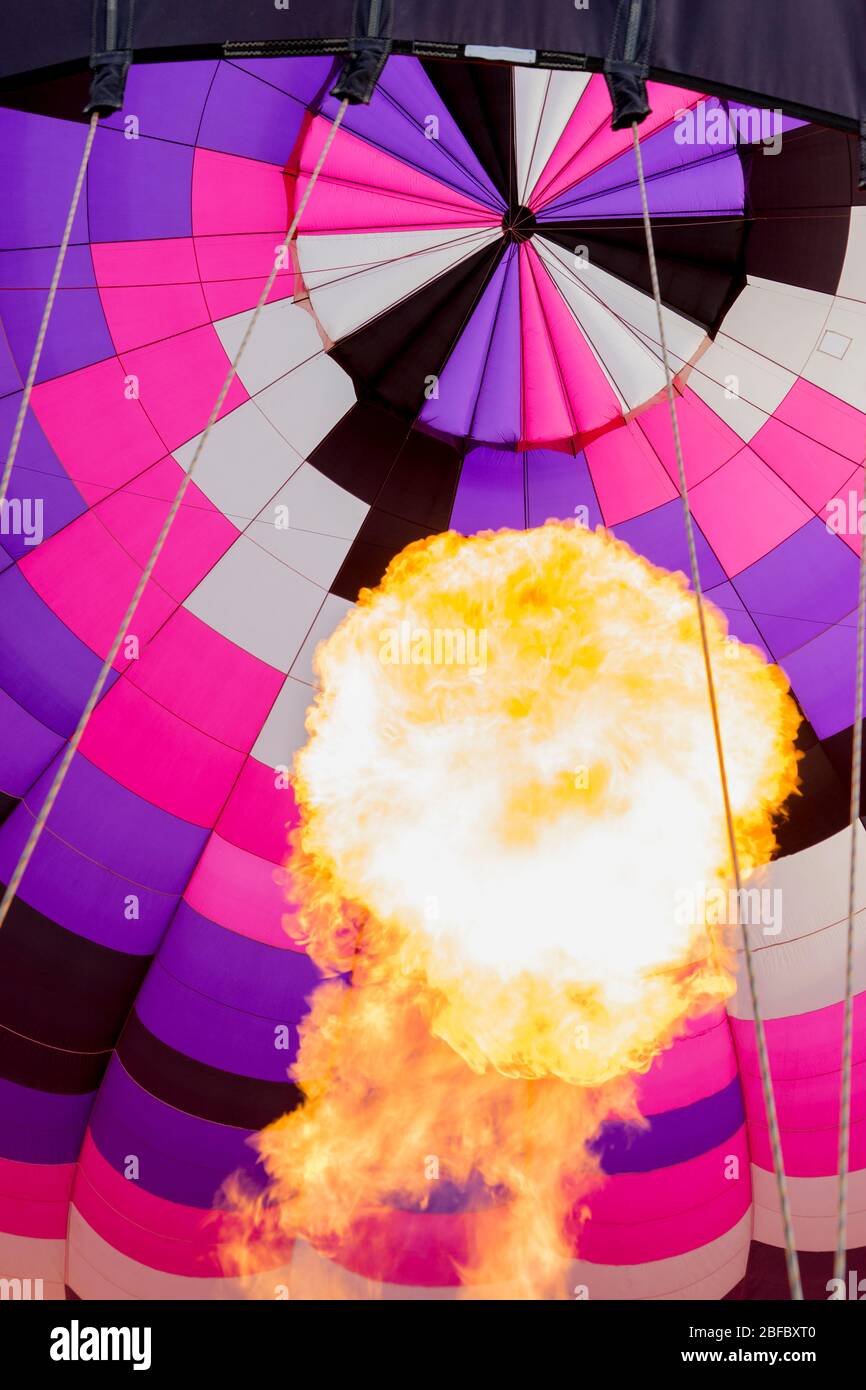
518	224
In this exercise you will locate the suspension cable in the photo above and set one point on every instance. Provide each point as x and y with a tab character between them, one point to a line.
49	305
96	692
848	1012
791	1259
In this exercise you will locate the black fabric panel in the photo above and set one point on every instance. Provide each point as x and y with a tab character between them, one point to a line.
838	750
701	261
766	1275
360	451
800	201
29	1063
805	55
480	98
198	1089
391	358
7	805
60	988
822	806
381	538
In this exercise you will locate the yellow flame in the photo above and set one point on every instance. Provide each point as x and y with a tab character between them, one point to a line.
509	791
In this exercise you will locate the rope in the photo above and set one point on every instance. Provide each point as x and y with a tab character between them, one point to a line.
848	1019
763	1056
96	692
49	305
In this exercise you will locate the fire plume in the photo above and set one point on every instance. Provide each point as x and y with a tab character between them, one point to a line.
510	776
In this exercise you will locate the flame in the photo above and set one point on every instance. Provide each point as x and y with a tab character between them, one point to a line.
510	777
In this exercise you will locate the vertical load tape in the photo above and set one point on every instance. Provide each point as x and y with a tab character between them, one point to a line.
110	54
369	48
627	63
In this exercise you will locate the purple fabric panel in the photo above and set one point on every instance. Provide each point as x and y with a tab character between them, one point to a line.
104	821
42	664
183	1158
713	185
33	269
138	190
210	1031
304	78
167	99
26	747
218	997
822	676
39	1127
802	587
37	475
81	895
740	625
660	536
10	378
490	494
245	116
479	389
39	159
77	332
557	484
396	120
245	974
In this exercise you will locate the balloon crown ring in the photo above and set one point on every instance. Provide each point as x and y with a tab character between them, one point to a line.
519	224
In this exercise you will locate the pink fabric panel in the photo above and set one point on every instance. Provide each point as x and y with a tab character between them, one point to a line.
179	381
697	1065
177	670
125	264
157	1233
143	746
814	472
563	383
102	438
239	891
87	579
588	141
628	476
707	440
234	270
805	1060
198	538
362	189
818	415
259	814
232	194
139	316
34	1198
744	510
638	1217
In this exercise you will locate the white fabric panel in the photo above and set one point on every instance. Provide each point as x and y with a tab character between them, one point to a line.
29	1257
353	279
814	1209
245	461
332	613
620	325
845	377
762	385
285	336
324	519
258	603
852	284
803	967
283	732
707	1273
544	102
98	1271
306	405
782	322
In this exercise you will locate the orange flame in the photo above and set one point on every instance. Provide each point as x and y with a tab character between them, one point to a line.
509	779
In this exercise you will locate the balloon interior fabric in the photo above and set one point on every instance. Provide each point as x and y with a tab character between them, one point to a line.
464	337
